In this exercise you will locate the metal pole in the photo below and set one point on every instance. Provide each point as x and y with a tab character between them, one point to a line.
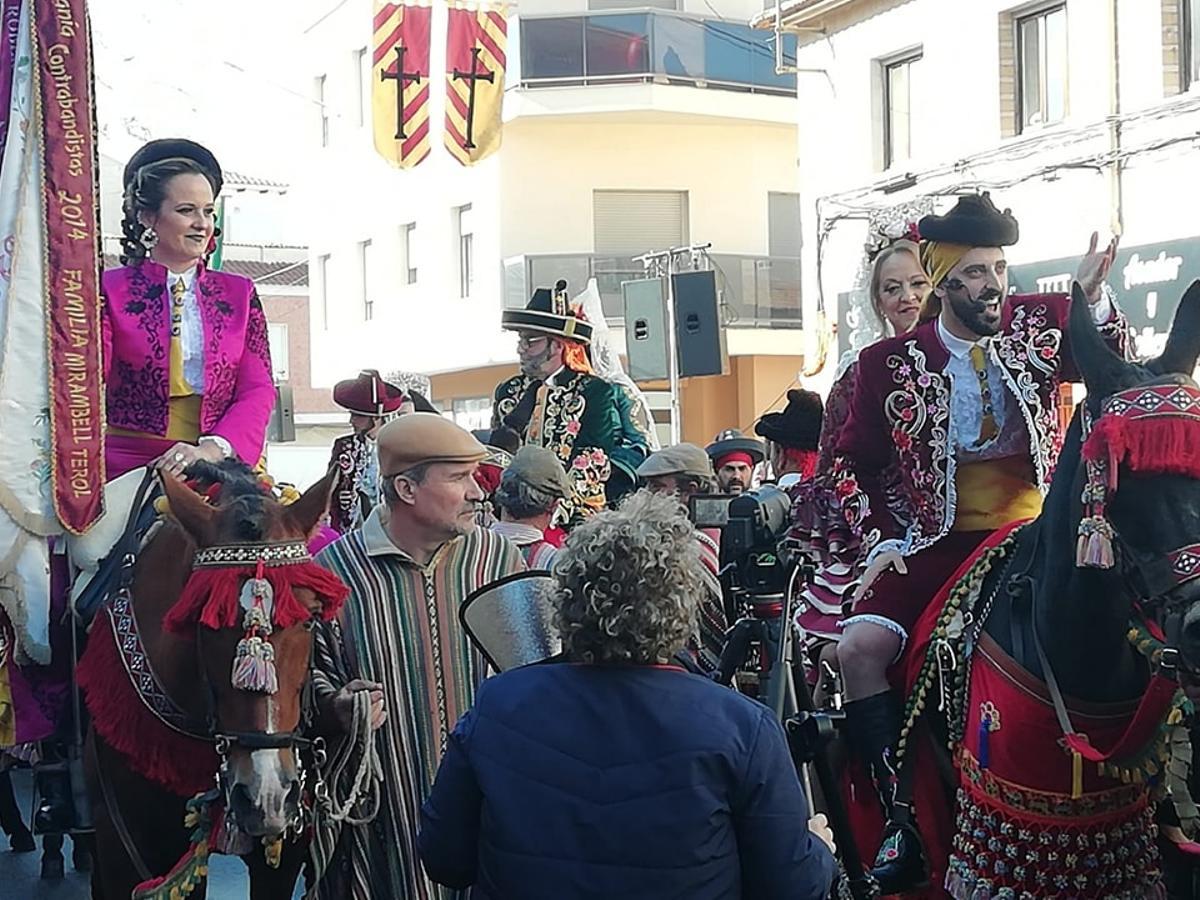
672	353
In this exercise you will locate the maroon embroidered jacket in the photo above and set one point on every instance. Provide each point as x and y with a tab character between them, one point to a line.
897	433
239	390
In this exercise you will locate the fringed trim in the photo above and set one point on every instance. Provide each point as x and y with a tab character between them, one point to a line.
210	597
1159	444
181	764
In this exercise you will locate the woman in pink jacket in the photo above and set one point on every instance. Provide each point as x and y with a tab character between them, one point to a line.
186	359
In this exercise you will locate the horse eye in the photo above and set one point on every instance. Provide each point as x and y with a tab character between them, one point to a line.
310	624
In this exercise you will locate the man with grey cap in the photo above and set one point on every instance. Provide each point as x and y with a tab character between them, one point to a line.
685	470
409	568
530	491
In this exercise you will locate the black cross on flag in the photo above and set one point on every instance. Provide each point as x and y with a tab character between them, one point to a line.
475	60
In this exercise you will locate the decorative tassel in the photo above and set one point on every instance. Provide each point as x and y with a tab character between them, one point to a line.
254	660
1076	775
1094	547
272	851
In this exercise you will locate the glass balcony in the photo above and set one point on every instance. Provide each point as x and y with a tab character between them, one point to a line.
754	291
651	45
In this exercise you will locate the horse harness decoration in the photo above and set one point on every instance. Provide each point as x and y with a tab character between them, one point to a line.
1149	429
257	580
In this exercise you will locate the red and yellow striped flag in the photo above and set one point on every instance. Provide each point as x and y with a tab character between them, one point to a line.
476	43
400	82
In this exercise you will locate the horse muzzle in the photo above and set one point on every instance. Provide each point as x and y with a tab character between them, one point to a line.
264	793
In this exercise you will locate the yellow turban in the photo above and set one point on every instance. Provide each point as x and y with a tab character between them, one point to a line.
938	258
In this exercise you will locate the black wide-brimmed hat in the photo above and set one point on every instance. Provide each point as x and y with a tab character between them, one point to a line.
974	221
163	149
799	425
548	311
733	441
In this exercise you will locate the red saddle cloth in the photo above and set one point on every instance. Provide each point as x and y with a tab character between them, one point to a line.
1018	832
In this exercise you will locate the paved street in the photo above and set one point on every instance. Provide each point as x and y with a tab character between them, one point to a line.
19	871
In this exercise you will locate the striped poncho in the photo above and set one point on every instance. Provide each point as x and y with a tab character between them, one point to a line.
400	627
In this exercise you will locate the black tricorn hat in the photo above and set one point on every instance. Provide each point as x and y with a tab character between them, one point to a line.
799	425
163	149
548	311
973	221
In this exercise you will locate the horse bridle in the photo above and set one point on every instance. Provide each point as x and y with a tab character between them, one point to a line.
281	553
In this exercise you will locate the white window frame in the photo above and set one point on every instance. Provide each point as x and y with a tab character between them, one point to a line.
466	250
362	79
323	278
277	340
408	256
1020	19
1189	43
364	276
887	66
319	85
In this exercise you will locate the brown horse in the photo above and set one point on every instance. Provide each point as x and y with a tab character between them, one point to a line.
168	720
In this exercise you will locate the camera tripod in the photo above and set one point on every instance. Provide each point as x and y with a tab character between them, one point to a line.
761	642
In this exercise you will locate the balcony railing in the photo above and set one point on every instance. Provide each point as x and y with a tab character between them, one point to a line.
649	45
754	291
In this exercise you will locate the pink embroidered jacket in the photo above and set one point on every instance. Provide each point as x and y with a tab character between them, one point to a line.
239	390
894	467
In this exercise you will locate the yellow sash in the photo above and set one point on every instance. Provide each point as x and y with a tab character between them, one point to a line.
995	492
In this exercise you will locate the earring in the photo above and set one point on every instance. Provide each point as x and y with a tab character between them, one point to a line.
149	238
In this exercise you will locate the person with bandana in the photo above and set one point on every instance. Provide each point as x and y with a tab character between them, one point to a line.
557	402
965	409
371	401
734	457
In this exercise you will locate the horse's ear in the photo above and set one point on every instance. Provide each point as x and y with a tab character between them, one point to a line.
1183	343
1103	371
191	511
305	513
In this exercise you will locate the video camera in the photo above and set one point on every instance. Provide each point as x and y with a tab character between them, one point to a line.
752	528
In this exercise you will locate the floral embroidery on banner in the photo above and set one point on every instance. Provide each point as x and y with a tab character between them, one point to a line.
921	404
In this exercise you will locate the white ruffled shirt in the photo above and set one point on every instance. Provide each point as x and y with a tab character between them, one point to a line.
191	330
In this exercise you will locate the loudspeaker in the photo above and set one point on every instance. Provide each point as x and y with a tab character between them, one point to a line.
699	337
646	329
282	428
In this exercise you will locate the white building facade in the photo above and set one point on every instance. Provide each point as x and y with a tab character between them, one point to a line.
627	130
1079	115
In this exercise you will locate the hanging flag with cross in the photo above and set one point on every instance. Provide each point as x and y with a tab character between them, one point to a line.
476	43
400	82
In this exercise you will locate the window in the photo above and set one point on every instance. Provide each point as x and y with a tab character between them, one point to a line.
898	77
635	222
323	287
1190	35
319	92
362	81
466	251
277	339
783	224
365	268
472	412
409	259
1042	67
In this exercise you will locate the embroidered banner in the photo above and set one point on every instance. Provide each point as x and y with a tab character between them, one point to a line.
400	82
63	74
10	23
476	43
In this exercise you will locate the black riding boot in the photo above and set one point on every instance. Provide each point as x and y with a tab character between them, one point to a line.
873	725
20	840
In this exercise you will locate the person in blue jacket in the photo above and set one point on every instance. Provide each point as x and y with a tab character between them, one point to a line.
615	774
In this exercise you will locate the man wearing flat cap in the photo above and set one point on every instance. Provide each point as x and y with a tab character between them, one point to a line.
371	401
409	568
964	409
530	491
558	402
734	456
